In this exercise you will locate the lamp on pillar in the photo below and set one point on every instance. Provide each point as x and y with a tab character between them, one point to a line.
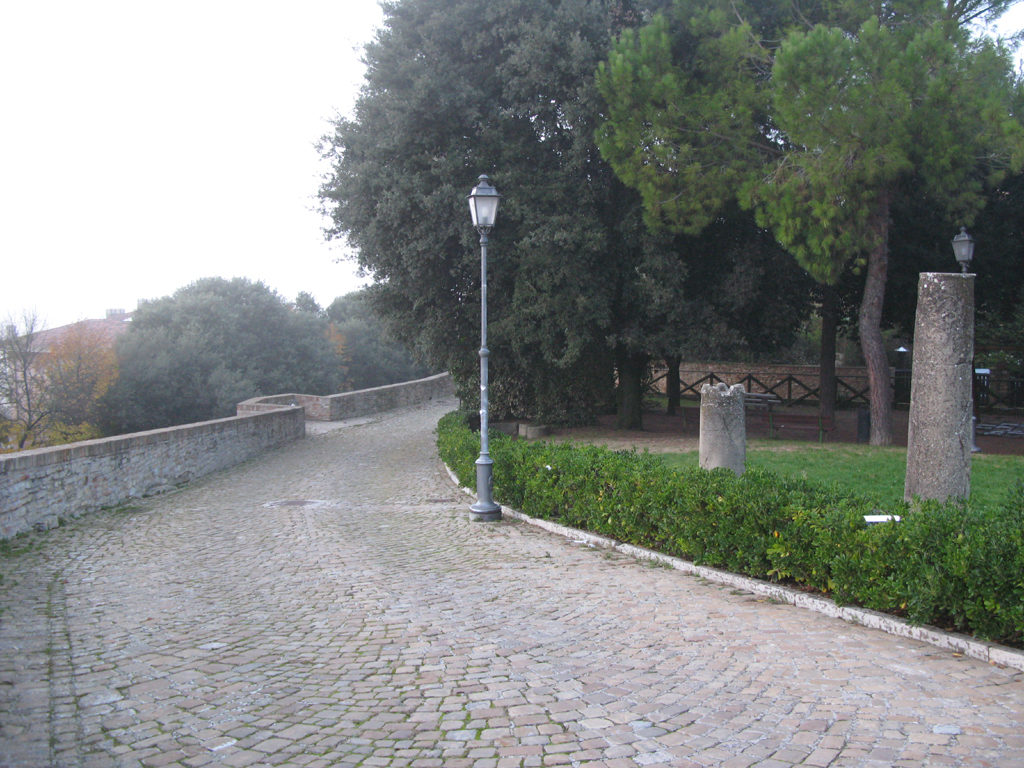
483	208
963	249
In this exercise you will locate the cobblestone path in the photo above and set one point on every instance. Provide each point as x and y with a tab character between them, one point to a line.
330	604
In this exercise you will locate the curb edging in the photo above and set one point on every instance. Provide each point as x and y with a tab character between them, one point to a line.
991	653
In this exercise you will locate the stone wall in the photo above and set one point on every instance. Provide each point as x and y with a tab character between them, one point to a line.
350	405
42	486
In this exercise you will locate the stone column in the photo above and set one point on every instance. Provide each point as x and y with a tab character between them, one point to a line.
723	427
939	437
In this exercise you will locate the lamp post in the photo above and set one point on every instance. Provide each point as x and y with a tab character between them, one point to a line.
483	207
963	249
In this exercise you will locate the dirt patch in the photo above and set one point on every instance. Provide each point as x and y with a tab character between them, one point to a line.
797	426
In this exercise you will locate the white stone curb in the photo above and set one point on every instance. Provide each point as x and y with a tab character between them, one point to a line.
991	653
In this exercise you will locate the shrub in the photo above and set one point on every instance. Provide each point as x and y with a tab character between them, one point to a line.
947	564
456	445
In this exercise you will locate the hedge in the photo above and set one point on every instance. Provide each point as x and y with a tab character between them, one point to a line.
949	565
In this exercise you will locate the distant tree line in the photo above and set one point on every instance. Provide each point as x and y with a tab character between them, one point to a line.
189	357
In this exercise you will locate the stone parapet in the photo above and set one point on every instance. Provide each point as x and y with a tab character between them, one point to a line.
363	402
40	487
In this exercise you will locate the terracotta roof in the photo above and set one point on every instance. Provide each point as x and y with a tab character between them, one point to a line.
107	329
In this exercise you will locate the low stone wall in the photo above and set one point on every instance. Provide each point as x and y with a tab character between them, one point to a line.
40	487
363	402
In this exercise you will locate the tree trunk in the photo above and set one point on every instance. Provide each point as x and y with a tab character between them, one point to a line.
869	323
672	383
827	362
631	367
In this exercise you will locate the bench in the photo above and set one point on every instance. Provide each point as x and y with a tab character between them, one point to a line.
762	402
783	425
793	424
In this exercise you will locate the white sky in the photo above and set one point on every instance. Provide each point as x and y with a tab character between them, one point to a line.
147	144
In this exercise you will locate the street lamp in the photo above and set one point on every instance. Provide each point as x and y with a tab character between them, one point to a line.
483	207
963	249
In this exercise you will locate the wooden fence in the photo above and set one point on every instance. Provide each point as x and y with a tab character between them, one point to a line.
796	388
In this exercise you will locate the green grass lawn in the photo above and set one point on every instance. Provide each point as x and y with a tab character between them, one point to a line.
876	473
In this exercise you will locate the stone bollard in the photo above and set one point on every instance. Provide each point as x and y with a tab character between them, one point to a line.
723	428
939	434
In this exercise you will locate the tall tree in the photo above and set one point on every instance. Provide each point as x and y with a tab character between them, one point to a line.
79	367
921	100
687	121
51	382
23	409
819	130
454	89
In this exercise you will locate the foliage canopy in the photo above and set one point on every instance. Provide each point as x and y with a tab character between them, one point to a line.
817	119
372	358
577	287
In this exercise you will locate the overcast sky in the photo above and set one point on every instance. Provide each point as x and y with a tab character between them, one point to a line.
145	144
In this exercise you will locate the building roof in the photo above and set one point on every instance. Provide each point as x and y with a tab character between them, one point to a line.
106	330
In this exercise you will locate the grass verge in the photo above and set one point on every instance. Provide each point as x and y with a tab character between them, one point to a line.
869	471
